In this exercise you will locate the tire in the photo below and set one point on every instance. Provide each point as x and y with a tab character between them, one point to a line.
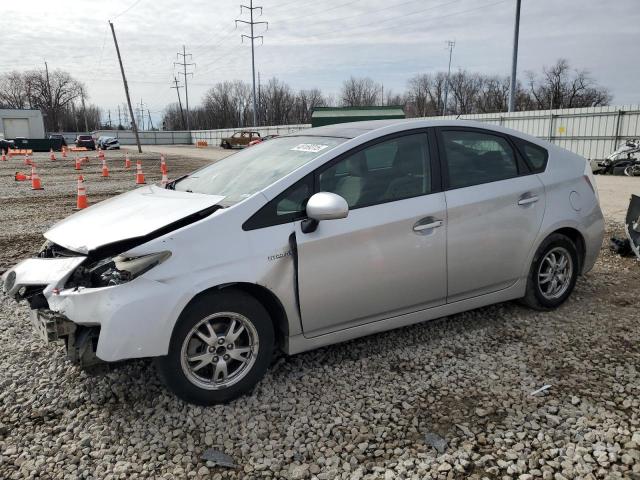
619	171
194	382
539	294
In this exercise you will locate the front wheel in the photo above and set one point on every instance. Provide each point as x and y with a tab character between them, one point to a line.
553	273
220	348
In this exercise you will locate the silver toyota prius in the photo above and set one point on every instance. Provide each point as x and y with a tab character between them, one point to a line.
310	239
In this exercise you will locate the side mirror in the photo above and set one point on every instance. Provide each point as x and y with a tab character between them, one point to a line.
324	206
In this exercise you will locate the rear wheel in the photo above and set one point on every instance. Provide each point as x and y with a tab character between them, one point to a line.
553	273
220	348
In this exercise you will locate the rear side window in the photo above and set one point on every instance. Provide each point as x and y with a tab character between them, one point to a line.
534	155
474	158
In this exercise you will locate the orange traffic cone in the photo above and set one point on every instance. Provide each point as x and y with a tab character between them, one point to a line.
4	155
105	169
35	179
27	160
52	156
81	201
139	174
78	164
21	177
64	152
127	162
100	154
163	165
164	180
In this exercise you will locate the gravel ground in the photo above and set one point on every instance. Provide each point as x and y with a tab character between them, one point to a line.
356	410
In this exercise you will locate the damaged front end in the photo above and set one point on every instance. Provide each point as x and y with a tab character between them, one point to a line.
34	280
39	281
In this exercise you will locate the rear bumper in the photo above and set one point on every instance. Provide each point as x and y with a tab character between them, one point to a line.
593	236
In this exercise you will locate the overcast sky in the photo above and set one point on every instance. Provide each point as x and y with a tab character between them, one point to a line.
315	43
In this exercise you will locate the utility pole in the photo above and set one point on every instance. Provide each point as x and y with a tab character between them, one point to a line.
141	115
119	118
177	87
382	94
49	99
109	118
259	96
150	122
450	45
252	37
514	59
84	111
126	89
184	65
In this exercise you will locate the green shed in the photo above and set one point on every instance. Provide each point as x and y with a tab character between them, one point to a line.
332	115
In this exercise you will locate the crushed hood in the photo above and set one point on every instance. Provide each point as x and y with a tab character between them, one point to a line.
133	214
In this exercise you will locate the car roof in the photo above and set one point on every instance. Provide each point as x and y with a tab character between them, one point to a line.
355	129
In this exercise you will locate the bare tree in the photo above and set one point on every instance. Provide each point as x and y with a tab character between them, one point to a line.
13	92
360	92
305	102
561	87
465	88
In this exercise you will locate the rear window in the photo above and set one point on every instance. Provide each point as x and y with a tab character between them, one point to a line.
535	155
85	137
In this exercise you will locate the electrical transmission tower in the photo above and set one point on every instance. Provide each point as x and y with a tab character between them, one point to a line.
252	37
184	65
178	87
450	46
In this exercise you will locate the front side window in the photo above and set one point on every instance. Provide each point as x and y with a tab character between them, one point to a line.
390	170
474	158
239	176
287	207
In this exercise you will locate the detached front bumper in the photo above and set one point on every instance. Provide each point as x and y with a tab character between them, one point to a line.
131	320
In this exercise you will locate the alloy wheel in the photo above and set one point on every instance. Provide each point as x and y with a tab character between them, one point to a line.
555	273
219	350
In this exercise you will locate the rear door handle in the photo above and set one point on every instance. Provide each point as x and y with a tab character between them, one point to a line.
528	200
426	223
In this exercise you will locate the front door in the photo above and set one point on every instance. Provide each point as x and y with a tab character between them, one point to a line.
388	257
494	209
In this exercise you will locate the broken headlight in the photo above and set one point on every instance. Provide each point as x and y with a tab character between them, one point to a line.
123	268
115	270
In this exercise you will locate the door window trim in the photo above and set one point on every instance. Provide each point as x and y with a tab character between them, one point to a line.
522	166
257	220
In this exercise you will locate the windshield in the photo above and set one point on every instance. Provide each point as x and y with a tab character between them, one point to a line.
241	175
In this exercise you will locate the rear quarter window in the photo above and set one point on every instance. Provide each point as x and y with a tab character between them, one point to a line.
534	155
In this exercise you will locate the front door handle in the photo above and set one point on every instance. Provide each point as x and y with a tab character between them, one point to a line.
528	200
426	223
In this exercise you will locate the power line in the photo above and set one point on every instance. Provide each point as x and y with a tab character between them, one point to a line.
184	64
127	9
252	37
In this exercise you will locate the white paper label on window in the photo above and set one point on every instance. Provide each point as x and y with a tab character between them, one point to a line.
309	147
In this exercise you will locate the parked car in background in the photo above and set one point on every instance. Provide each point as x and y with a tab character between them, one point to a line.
108	143
314	238
86	141
261	139
6	144
239	139
58	136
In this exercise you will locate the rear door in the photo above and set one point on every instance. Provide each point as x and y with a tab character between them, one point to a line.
387	257
495	207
